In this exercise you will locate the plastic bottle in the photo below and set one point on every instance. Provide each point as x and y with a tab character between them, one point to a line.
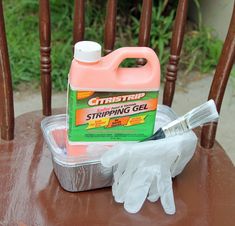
108	103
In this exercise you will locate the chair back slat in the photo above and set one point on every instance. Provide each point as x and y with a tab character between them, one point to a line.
220	80
145	26
6	92
176	45
45	55
110	26
78	21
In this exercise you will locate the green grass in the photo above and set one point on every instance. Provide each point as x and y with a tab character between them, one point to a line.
22	35
201	49
21	19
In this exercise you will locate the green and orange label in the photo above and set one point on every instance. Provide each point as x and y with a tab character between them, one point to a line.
111	116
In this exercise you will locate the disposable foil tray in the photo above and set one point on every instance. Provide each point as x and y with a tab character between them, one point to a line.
83	171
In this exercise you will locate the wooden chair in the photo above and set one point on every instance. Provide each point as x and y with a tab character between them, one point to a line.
29	191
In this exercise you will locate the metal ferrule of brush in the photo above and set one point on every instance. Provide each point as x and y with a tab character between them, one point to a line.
177	127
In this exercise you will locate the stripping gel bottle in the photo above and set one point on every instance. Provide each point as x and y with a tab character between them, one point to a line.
108	103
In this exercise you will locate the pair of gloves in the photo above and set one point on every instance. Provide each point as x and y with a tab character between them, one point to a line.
145	170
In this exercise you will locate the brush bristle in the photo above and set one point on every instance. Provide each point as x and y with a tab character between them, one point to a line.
202	114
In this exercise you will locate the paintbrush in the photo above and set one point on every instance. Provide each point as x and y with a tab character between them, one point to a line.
198	116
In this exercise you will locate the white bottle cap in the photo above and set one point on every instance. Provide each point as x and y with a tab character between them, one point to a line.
87	51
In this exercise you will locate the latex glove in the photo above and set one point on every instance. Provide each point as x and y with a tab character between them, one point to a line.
145	169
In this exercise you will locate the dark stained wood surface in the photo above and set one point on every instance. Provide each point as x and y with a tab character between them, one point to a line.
176	45
78	21
145	23
145	26
31	195
220	80
6	94
110	26
218	86
45	54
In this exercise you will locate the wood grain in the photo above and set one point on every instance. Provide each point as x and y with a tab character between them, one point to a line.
110	26
6	93
145	26
78	21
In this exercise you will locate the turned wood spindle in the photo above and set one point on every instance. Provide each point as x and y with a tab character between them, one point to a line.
45	54
145	26
78	21
176	45
110	26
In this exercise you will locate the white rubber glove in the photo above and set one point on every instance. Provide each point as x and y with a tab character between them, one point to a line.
144	170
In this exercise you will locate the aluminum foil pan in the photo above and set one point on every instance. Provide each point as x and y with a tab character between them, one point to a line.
83	171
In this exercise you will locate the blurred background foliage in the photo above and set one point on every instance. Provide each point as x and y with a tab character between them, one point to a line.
200	51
